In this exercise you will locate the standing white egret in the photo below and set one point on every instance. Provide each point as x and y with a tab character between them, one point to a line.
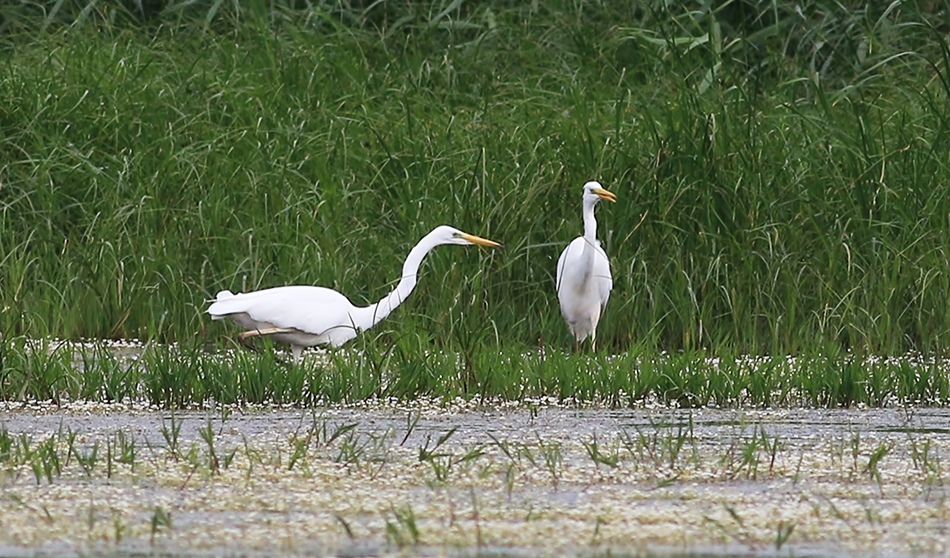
305	316
583	272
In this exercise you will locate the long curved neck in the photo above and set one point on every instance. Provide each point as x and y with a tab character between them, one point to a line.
365	318
590	223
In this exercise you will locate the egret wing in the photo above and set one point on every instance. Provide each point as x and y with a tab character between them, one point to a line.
602	276
568	262
560	268
314	310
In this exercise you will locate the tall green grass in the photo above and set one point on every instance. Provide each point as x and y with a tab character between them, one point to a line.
780	167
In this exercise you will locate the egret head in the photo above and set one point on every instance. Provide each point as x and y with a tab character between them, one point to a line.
594	192
449	235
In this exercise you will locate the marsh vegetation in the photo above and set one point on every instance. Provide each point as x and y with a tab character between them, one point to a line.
776	334
780	167
184	377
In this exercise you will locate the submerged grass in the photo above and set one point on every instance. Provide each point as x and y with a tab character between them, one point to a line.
824	479
779	168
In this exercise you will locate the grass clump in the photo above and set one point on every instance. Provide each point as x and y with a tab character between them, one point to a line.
184	377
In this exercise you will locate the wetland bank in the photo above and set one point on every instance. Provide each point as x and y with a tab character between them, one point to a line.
779	169
127	448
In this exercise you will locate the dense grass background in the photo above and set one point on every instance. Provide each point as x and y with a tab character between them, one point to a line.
780	166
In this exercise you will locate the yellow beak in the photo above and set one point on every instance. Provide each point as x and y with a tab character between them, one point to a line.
605	195
479	241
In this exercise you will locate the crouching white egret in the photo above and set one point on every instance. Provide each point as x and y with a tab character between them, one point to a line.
583	272
305	316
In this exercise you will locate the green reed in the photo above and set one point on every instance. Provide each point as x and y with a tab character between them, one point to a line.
779	174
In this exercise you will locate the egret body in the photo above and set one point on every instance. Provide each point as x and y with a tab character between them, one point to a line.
583	272
306	316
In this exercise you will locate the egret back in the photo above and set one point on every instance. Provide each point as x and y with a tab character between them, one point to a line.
314	310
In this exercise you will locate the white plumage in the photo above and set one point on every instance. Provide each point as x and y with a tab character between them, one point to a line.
306	316
583	272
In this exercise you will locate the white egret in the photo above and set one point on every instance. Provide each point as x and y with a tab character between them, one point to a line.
583	272
305	316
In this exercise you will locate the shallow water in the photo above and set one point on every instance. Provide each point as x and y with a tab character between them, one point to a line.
669	482
475	423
